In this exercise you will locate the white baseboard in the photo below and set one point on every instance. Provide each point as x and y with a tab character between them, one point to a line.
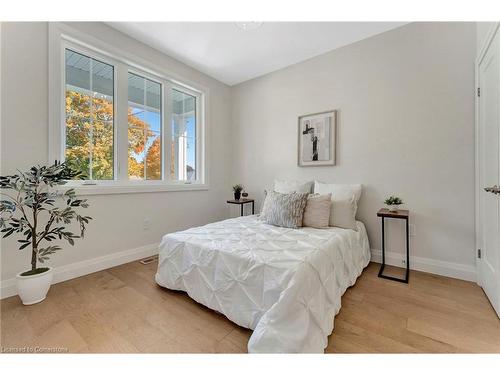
438	267
86	267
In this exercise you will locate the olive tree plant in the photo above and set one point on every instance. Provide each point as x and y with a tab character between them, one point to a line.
32	207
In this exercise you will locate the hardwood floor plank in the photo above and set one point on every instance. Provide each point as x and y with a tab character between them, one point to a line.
382	322
378	343
99	337
62	332
453	335
235	342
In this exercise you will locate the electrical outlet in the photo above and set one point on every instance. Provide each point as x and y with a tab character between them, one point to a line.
413	230
146	224
403	262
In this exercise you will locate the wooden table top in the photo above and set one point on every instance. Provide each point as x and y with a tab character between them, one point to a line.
399	214
240	201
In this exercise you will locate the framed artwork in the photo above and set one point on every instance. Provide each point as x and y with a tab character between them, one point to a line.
317	139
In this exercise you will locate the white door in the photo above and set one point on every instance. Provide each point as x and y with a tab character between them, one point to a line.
488	225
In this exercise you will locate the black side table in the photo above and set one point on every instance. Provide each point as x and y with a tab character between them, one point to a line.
399	214
241	202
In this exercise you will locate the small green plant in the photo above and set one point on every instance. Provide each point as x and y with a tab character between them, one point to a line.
28	207
393	201
237	188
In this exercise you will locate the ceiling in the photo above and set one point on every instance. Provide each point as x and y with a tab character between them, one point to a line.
232	55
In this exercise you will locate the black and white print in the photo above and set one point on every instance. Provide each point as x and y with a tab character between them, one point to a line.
317	139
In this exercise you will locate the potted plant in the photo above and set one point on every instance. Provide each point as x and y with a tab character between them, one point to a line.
393	203
237	191
28	207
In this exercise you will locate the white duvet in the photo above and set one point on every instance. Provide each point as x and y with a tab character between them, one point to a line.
285	284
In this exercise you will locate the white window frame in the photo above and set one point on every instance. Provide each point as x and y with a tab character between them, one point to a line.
61	37
88	53
165	114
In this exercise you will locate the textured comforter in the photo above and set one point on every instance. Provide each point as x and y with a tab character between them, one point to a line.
285	284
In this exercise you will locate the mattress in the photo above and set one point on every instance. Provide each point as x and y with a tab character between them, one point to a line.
284	284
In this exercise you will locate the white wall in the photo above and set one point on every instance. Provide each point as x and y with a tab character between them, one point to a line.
406	126
482	31
118	219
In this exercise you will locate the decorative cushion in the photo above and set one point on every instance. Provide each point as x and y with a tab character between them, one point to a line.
284	210
285	187
317	211
263	207
344	206
343	213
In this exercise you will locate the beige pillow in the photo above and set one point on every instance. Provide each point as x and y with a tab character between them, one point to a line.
317	211
343	213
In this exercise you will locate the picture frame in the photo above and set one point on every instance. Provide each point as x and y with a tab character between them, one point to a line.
317	136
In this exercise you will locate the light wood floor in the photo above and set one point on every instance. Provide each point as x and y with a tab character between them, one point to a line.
123	310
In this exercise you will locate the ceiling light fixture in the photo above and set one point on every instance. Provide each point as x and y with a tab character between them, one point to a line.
247	26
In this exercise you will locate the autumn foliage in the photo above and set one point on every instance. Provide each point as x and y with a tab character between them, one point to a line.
89	140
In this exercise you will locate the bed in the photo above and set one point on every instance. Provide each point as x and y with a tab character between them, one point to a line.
284	284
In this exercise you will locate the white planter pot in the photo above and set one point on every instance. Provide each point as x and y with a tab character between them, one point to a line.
33	289
394	207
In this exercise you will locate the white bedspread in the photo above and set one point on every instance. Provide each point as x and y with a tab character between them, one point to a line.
285	284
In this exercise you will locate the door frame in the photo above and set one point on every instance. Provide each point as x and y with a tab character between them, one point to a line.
477	188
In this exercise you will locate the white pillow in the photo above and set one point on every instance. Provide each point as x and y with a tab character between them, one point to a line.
339	191
345	200
286	187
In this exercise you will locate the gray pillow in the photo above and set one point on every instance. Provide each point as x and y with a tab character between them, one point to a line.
284	210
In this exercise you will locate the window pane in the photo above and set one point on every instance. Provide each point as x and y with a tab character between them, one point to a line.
183	166
144	128
89	116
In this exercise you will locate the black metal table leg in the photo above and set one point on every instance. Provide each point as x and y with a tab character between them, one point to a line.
383	250
407	250
407	274
242	203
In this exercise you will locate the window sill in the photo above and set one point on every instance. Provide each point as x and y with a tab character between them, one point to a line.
83	190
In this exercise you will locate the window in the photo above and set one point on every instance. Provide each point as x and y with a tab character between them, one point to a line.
89	116
144	128
123	125
183	160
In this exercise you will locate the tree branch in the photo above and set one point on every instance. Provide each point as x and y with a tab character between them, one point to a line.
47	228
19	204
